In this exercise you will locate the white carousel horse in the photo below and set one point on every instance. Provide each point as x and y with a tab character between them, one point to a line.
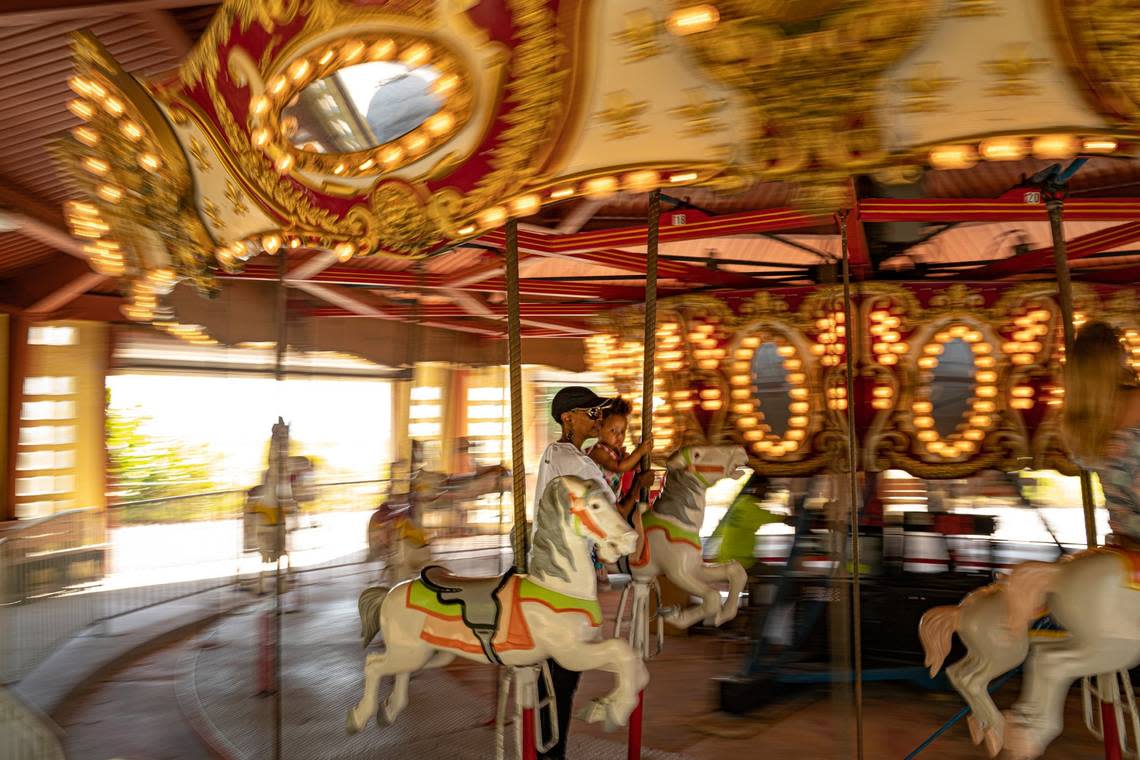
981	620
513	620
671	545
275	499
1093	596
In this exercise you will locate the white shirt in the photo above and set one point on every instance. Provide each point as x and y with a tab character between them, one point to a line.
564	458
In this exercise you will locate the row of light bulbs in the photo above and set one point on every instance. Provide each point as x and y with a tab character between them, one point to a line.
1015	148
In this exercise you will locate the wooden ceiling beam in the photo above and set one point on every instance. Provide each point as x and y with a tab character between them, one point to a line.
38	220
31	12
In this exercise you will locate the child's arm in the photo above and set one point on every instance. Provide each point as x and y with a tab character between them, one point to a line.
606	460
634	459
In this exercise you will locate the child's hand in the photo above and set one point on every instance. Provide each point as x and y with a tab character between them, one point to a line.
645	446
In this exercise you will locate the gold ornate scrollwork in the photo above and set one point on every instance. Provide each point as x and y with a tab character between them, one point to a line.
811	75
534	92
1102	37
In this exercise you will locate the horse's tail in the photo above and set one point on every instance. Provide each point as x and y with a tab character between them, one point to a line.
369	604
935	631
1029	583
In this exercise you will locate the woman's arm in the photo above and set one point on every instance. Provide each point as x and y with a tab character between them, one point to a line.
629	501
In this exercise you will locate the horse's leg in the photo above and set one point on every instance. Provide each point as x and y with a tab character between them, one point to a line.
737	578
630	677
1051	669
689	576
395	660
992	650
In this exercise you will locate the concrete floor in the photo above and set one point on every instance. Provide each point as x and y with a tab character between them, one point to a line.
135	714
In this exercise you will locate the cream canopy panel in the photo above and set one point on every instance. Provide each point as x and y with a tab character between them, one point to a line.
986	67
223	203
645	102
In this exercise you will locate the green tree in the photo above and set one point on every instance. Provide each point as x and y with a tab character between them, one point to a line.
142	466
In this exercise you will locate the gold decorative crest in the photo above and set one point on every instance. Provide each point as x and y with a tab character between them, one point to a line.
810	73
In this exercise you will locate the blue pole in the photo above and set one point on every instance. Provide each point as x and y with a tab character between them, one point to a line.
957	717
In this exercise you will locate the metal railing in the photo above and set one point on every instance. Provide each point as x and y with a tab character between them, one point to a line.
63	573
66	572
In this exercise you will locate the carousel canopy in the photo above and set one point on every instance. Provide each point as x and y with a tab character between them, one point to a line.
161	147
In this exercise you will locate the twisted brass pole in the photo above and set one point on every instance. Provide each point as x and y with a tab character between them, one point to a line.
853	486
650	335
514	362
1055	207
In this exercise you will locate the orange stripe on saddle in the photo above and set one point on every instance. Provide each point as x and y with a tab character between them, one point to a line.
442	628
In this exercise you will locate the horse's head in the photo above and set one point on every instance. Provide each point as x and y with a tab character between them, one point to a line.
708	464
280	431
589	506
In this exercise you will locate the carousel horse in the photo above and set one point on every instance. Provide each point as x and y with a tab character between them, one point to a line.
1092	596
275	499
671	544
514	620
394	531
992	648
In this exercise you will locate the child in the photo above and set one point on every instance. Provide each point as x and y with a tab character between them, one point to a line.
609	451
609	454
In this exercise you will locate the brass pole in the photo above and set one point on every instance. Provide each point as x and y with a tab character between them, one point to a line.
514	362
650	334
853	486
282	473
1055	206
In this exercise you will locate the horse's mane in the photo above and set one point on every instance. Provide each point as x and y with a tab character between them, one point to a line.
680	486
549	537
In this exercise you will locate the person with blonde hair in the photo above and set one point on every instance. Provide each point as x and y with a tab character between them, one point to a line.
1100	424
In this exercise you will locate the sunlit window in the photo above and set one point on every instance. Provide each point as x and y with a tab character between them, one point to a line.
424	430
49	386
45	460
52	335
426	393
47	435
48	410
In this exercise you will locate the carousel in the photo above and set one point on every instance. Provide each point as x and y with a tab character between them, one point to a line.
820	240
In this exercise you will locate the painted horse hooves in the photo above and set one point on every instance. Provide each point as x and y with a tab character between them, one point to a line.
977	730
350	725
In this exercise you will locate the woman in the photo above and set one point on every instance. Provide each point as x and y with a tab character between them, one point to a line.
1101	424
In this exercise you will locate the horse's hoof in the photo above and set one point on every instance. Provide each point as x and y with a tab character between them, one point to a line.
994	741
595	712
668	613
382	719
977	730
1018	741
350	724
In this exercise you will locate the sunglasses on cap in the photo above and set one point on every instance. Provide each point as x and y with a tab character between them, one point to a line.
594	412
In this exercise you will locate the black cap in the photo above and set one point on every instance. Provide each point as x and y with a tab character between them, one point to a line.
575	397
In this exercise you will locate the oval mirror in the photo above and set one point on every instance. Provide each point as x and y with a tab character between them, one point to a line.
952	386
361	107
772	390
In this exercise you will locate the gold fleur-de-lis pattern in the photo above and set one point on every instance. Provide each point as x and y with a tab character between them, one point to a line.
1014	71
236	198
641	36
213	213
622	114
925	90
698	113
198	153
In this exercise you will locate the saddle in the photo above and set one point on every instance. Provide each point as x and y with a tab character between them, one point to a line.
478	600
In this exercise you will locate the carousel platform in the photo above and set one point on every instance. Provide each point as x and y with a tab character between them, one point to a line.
449	710
447	716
